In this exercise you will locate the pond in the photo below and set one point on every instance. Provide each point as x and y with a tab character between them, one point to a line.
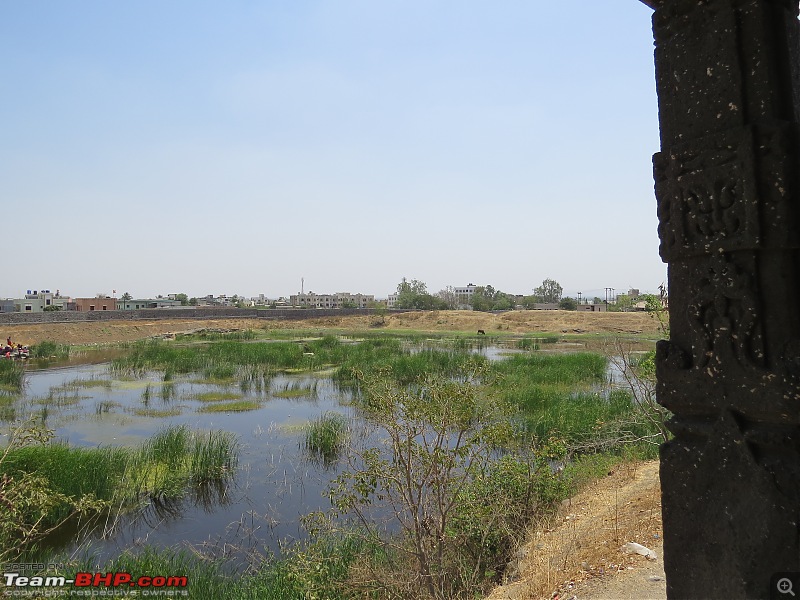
276	481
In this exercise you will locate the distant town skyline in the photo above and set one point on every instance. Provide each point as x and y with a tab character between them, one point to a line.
235	148
587	294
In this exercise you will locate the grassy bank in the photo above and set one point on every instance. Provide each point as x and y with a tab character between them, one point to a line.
45	483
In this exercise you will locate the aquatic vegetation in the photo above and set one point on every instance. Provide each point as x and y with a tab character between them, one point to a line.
238	406
215	396
325	437
62	479
291	390
49	349
12	375
156	413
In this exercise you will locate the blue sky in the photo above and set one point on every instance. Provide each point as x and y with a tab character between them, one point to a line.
235	147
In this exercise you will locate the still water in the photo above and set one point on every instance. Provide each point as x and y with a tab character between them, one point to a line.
275	483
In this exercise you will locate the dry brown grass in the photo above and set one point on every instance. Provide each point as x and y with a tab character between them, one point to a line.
435	321
579	551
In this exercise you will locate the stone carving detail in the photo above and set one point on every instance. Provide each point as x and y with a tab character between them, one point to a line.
707	197
724	315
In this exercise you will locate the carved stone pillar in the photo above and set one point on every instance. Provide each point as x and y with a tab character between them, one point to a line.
727	182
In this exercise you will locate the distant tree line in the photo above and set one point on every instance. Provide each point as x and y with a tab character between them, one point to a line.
414	294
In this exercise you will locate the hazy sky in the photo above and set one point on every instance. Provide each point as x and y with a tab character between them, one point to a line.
235	147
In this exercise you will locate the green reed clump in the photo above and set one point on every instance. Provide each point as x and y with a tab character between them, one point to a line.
528	344
325	437
549	369
12	375
156	413
237	406
294	390
48	349
218	396
564	396
162	467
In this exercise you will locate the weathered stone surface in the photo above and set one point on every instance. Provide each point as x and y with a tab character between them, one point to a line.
726	182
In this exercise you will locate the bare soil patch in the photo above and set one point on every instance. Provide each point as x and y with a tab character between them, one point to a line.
520	322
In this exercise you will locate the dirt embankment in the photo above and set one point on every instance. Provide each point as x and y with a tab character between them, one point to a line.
528	321
579	553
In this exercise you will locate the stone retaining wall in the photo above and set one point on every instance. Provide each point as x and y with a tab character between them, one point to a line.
151	314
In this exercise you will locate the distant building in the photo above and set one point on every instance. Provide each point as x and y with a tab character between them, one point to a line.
262	300
90	304
7	305
338	300
545	306
391	300
145	303
593	307
464	295
39	300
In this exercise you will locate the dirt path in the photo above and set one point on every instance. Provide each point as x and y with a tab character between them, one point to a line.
527	321
580	554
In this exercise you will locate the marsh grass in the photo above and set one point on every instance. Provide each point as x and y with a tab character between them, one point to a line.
238	406
312	570
124	478
326	436
156	413
8	408
566	397
105	406
293	390
215	396
253	365
49	349
61	399
167	392
12	375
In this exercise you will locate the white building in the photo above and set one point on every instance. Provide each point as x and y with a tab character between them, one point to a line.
37	301
464	295
338	300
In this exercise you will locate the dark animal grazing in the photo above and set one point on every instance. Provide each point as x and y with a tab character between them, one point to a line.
481	332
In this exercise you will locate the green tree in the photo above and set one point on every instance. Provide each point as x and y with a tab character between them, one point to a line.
550	291
126	297
568	304
448	297
183	298
441	480
530	302
482	298
414	294
623	303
